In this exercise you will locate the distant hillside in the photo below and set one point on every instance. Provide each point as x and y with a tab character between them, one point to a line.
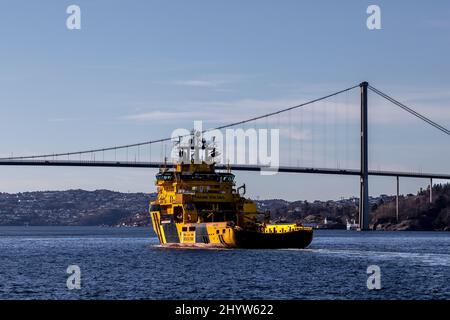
75	208
109	208
337	213
416	212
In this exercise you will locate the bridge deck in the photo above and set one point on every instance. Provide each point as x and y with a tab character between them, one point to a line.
284	169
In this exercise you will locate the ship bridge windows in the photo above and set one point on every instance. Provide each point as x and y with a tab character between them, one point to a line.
200	177
165	176
210	177
227	177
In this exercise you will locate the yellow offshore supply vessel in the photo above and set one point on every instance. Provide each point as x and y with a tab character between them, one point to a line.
197	206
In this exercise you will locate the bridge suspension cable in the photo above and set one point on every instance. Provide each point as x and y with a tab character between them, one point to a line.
409	110
170	138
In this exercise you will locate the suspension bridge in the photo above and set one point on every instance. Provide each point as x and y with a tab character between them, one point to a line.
96	157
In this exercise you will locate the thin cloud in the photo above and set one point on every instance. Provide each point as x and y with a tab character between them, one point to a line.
197	83
164	116
58	119
443	23
299	135
328	112
200	83
218	82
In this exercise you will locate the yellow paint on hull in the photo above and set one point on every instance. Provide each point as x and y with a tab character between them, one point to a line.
224	235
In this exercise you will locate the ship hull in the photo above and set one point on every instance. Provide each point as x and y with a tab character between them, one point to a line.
222	235
257	240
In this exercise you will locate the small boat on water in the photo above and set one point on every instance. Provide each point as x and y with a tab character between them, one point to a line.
352	226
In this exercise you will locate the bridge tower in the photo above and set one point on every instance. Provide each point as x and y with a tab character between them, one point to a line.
364	175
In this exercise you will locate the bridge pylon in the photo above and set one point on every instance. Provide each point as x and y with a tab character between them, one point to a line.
364	170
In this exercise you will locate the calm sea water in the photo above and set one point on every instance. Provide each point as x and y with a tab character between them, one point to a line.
127	263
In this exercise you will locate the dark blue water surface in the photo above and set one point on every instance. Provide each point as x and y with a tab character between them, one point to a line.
127	263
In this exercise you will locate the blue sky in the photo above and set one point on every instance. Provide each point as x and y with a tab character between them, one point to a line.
139	69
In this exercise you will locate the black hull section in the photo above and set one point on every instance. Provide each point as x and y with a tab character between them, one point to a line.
258	240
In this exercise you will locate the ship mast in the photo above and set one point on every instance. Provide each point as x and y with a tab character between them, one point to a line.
197	150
